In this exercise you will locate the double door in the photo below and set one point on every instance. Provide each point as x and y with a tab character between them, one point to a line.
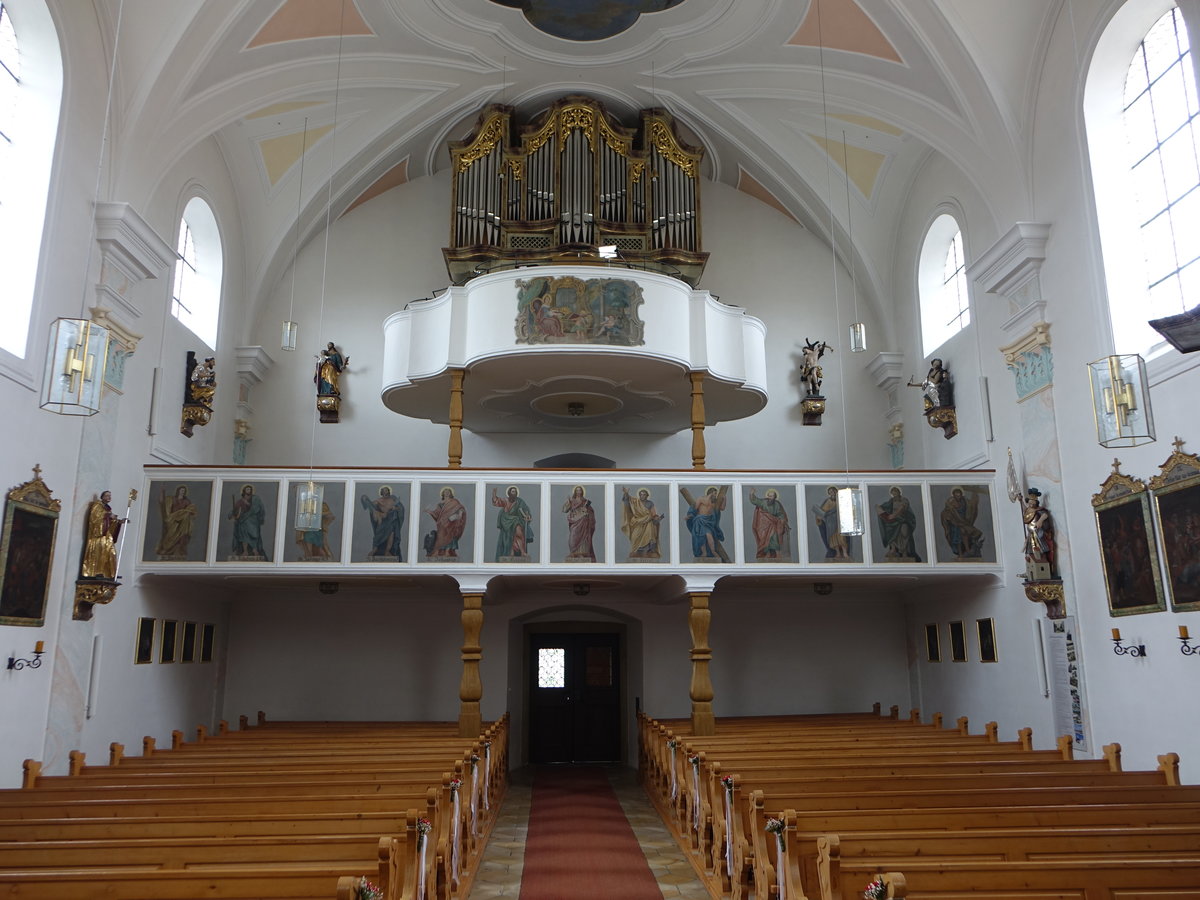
575	698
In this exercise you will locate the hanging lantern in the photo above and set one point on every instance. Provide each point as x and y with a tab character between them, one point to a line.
288	339
858	337
74	375
309	497
1121	401
850	511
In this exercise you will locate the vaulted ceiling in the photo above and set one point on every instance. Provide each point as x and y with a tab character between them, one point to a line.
788	96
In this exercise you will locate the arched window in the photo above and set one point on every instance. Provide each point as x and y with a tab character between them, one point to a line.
942	284
30	96
1141	110
196	288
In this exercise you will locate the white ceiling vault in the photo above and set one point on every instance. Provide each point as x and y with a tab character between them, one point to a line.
769	87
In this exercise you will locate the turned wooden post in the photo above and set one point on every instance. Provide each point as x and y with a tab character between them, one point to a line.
698	450
702	689
470	691
455	450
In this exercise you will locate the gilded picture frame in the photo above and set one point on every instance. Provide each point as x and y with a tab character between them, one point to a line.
958	642
933	643
143	647
985	631
207	638
1176	493
1128	548
27	552
167	645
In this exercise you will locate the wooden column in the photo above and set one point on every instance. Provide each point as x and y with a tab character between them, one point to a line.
698	450
455	450
702	689
470	690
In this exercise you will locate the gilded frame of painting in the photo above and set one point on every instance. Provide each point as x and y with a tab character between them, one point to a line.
1128	548
27	552
1176	492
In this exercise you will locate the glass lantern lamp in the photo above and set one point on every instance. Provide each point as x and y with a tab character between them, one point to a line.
1121	401
74	377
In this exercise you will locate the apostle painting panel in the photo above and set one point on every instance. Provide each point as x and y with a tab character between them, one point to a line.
644	531
247	513
516	532
322	542
380	511
962	515
177	517
897	514
447	523
706	532
768	522
577	535
826	543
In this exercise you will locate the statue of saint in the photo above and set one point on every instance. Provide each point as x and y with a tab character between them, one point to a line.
936	387
100	545
330	365
810	369
1039	533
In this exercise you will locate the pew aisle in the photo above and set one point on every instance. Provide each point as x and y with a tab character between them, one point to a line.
825	806
279	810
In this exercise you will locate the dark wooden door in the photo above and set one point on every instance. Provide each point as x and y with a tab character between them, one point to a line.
575	698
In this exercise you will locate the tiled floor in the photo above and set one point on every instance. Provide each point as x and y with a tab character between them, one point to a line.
499	873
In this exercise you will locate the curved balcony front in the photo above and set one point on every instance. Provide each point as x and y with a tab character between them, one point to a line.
574	348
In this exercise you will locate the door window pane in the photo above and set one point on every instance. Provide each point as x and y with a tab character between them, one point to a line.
599	667
552	667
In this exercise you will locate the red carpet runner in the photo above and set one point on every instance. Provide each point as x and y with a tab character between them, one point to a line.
580	845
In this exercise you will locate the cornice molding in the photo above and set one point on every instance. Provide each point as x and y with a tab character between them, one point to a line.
1014	261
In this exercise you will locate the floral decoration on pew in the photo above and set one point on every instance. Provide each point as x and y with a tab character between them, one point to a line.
368	891
695	760
424	826
671	745
474	761
727	780
455	784
774	825
876	890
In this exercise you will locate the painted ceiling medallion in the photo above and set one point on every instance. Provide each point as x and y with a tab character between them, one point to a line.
585	20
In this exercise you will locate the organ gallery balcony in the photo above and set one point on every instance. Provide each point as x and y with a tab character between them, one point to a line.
584	347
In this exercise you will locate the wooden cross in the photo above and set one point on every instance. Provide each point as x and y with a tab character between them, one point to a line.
1116	466
1177	444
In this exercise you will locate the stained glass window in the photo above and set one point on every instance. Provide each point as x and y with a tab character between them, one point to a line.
552	667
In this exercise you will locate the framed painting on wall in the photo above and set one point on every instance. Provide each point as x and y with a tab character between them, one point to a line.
206	642
1128	550
143	651
985	630
933	643
166	649
958	642
27	552
188	650
1176	491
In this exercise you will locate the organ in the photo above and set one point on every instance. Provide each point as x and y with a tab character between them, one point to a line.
574	179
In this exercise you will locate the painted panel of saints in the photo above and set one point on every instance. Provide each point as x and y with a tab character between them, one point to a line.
570	310
246	510
644	531
578	535
706	527
962	515
768	523
897	512
380	514
322	544
447	523
826	543
177	517
515	529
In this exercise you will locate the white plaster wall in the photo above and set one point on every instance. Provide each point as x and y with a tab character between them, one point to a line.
357	655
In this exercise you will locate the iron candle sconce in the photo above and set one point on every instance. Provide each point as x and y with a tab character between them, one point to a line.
1121	650
35	663
1186	647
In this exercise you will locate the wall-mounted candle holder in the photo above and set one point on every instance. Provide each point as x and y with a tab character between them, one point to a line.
1121	650
35	663
1186	647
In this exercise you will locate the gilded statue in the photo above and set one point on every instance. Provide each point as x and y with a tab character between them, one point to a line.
100	544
